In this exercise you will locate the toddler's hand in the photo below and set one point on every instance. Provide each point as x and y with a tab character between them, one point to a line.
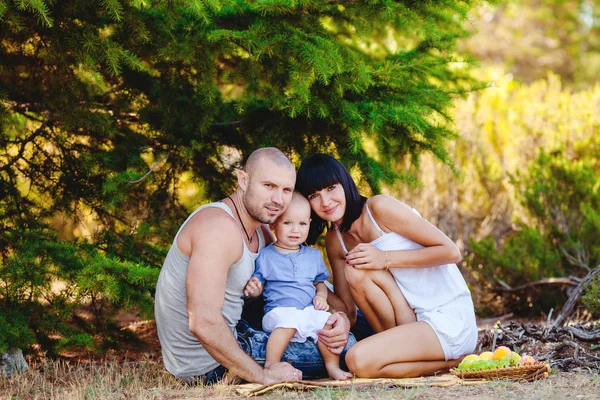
253	288
320	303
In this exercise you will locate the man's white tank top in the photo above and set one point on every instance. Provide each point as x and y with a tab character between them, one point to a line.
182	353
425	289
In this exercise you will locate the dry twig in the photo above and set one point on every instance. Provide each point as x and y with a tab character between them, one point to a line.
568	348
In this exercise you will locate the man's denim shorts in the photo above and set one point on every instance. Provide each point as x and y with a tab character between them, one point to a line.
303	356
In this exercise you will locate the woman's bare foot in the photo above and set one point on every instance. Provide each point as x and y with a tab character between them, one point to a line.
335	372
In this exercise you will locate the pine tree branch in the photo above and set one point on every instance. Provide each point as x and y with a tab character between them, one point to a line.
25	108
342	2
31	138
231	124
131	117
152	169
28	116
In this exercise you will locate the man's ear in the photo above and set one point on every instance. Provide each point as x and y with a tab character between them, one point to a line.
243	180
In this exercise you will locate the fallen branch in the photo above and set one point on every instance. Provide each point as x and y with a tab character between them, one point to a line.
569	306
486	321
582	335
504	287
576	351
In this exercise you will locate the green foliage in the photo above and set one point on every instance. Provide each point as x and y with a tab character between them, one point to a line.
505	236
564	195
527	255
45	282
591	298
107	108
14	330
561	192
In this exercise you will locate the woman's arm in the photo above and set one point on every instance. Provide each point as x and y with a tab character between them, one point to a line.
394	216
335	255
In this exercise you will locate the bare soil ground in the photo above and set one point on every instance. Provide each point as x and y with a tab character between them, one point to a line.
136	372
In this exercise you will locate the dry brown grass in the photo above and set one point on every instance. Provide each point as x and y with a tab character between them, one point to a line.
147	379
106	380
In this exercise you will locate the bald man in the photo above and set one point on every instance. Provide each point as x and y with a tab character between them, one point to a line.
198	303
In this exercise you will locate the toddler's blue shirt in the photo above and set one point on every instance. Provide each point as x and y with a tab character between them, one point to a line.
288	279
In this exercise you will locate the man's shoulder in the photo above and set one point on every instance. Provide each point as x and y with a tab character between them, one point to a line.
211	222
212	217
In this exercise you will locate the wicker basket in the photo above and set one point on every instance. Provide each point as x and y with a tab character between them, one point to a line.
524	373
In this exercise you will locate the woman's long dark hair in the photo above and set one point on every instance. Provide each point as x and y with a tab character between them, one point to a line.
319	171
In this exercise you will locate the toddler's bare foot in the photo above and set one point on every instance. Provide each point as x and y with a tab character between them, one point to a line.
335	372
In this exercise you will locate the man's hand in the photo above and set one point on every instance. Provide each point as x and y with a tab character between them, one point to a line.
253	288
281	372
335	338
320	303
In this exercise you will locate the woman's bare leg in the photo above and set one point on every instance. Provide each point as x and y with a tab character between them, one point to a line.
277	343
407	350
378	297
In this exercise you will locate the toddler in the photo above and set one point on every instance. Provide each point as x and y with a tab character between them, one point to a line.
293	277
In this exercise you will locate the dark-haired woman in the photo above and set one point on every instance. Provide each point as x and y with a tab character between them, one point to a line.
397	268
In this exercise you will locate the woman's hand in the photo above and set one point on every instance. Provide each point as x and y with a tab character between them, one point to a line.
366	256
335	338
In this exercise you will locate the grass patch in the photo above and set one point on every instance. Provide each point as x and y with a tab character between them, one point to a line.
147	379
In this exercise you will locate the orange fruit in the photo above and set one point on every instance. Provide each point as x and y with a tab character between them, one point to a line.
502	352
487	355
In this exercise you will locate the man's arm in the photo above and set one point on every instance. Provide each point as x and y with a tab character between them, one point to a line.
336	338
216	244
